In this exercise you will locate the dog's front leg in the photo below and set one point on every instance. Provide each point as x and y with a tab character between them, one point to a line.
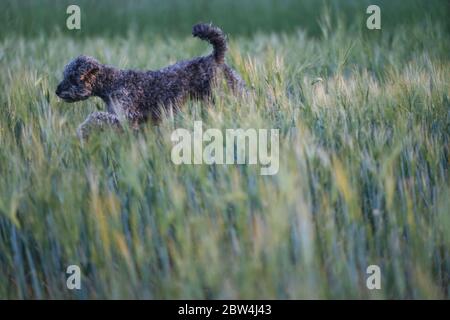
97	121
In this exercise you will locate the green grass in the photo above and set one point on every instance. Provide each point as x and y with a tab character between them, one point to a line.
363	177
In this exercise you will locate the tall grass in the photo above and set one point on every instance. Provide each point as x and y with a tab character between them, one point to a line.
364	151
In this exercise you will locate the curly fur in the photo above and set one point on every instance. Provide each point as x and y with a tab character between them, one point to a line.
136	96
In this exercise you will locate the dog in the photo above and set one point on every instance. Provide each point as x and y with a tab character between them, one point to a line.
137	96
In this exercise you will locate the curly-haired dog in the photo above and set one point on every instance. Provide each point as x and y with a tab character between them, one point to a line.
137	96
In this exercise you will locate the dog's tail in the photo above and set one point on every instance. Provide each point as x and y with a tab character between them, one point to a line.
214	36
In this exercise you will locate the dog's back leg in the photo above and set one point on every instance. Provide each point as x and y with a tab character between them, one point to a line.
234	81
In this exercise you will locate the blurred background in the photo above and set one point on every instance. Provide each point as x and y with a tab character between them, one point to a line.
118	18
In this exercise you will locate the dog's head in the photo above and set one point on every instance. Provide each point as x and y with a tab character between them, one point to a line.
79	79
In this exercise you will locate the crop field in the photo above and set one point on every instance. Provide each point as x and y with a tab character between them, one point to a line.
364	123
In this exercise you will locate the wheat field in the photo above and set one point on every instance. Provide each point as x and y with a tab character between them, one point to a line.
364	120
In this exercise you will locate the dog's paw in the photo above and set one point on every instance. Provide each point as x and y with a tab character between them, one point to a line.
82	134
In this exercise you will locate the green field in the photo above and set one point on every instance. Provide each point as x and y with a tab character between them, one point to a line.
364	120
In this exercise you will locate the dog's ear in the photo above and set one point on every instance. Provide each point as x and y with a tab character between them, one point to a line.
90	74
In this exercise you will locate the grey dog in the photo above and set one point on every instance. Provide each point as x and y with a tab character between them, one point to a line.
137	96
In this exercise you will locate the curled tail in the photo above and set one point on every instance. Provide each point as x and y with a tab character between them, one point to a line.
214	36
